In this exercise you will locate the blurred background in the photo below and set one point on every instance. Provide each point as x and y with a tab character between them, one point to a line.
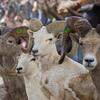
14	13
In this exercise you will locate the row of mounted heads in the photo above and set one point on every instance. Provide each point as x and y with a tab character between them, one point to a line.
22	36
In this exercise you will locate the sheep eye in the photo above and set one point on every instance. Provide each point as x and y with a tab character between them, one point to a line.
50	39
81	44
10	42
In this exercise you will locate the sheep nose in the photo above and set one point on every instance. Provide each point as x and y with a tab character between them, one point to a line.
89	60
35	51
19	69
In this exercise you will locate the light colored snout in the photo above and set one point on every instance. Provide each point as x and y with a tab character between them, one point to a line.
19	70
89	61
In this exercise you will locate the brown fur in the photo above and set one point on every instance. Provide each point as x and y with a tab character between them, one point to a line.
89	41
60	8
10	49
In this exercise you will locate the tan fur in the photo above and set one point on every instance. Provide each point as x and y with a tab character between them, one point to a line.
10	49
91	43
57	77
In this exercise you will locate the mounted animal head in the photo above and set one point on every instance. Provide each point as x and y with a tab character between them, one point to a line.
12	44
88	39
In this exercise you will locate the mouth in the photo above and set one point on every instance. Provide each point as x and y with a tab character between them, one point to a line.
90	67
36	55
19	73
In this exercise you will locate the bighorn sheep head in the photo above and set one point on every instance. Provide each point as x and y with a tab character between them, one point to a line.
11	46
88	39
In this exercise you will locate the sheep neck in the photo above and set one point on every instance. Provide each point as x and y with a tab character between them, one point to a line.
49	60
14	85
95	74
15	88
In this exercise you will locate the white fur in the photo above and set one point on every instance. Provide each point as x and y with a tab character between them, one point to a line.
56	77
31	72
92	64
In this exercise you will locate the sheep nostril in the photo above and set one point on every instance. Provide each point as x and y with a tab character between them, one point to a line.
89	60
35	51
19	69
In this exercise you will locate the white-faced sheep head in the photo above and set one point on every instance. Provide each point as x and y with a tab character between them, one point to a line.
12	44
27	64
45	38
88	39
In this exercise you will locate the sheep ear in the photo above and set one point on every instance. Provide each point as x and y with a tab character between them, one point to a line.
56	27
98	29
35	24
23	37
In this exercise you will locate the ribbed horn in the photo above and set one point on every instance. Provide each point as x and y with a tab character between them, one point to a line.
79	25
35	24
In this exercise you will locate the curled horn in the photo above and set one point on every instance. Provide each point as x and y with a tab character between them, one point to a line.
79	25
35	24
73	24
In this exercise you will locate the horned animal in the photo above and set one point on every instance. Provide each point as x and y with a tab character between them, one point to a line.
12	44
88	39
58	78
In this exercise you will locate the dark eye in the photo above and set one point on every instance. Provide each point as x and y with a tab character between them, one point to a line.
81	44
50	39
10	41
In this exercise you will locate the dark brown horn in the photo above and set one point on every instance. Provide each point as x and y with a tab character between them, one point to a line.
73	24
67	46
79	25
